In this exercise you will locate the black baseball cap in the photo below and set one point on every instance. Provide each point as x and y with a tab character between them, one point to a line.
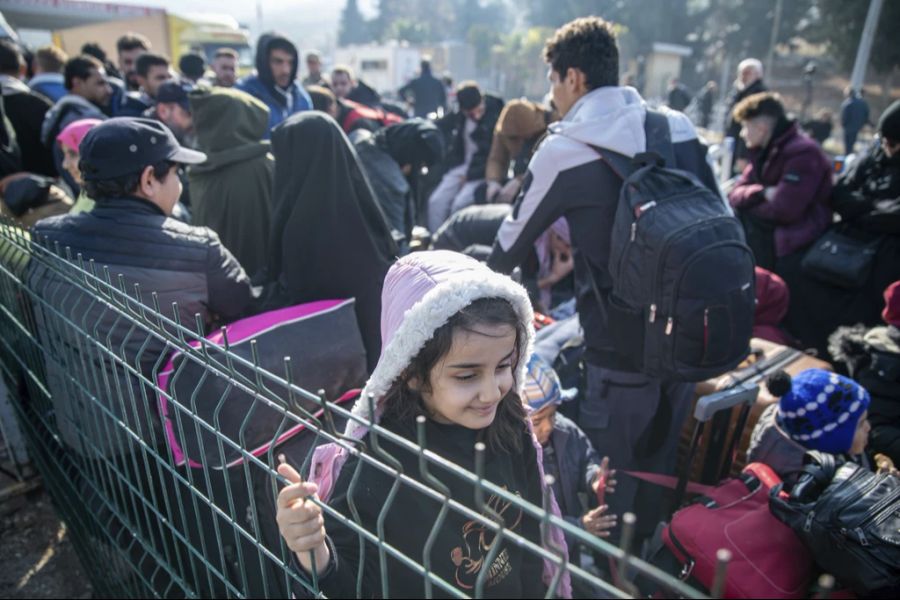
126	145
174	92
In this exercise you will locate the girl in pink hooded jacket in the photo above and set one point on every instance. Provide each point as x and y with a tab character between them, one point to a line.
456	337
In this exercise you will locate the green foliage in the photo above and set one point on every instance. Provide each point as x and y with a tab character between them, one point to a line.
429	21
353	27
840	24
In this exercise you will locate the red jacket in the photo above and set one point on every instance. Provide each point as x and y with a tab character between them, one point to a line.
801	175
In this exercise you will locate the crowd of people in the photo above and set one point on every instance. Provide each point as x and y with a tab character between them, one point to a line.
451	219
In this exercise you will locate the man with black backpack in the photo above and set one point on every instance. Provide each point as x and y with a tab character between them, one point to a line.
664	287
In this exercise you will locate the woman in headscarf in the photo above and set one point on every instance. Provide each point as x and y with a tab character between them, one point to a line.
329	236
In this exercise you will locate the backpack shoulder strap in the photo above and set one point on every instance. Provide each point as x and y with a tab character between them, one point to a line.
659	137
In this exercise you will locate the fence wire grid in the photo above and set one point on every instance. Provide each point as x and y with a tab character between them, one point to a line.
82	351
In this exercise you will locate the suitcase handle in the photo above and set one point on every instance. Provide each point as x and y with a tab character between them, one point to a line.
709	405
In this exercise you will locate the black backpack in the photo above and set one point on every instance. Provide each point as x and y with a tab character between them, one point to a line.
682	302
849	518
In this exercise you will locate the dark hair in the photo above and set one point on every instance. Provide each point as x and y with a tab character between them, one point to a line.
11	59
468	95
589	45
94	49
282	44
132	41
766	104
322	97
50	59
126	185
80	67
147	60
223	52
192	65
404	404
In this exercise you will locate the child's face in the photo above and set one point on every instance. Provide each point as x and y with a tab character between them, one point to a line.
542	423
861	437
469	382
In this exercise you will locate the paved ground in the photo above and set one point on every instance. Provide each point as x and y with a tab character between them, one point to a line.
37	559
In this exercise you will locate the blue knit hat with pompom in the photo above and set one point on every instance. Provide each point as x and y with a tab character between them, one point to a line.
819	409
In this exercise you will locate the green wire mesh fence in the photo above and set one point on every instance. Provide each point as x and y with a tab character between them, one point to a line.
82	352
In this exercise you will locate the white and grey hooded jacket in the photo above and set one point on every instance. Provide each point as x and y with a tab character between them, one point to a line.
567	178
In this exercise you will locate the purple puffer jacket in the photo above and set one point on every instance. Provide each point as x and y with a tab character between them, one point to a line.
801	175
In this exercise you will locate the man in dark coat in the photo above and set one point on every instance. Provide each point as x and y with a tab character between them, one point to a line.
749	81
275	81
427	92
25	109
231	193
854	116
706	101
679	97
469	133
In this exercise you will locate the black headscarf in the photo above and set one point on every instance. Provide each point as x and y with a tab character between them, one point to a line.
329	236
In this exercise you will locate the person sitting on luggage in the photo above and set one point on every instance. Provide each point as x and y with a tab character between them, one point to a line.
872	355
568	456
772	300
782	196
816	410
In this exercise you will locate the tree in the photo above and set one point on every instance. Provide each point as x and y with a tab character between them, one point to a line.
353	27
840	24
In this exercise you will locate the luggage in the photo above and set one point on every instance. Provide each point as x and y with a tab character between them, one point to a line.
766	357
682	302
849	519
323	341
768	560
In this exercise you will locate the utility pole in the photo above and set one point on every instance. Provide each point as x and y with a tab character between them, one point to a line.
865	45
259	18
776	24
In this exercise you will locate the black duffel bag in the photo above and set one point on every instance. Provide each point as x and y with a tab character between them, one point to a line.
841	259
849	519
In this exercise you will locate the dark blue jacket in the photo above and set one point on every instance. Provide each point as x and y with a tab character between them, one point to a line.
854	113
49	85
296	100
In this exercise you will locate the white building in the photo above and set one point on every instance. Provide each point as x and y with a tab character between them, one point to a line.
384	67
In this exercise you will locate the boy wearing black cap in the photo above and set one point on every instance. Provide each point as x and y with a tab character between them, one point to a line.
469	132
129	166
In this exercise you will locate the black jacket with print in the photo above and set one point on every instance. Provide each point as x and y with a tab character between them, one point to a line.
461	545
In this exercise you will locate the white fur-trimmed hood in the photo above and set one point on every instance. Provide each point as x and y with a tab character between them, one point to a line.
422	291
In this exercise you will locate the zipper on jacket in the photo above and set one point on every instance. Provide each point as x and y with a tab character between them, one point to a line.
862	536
670	325
652	313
